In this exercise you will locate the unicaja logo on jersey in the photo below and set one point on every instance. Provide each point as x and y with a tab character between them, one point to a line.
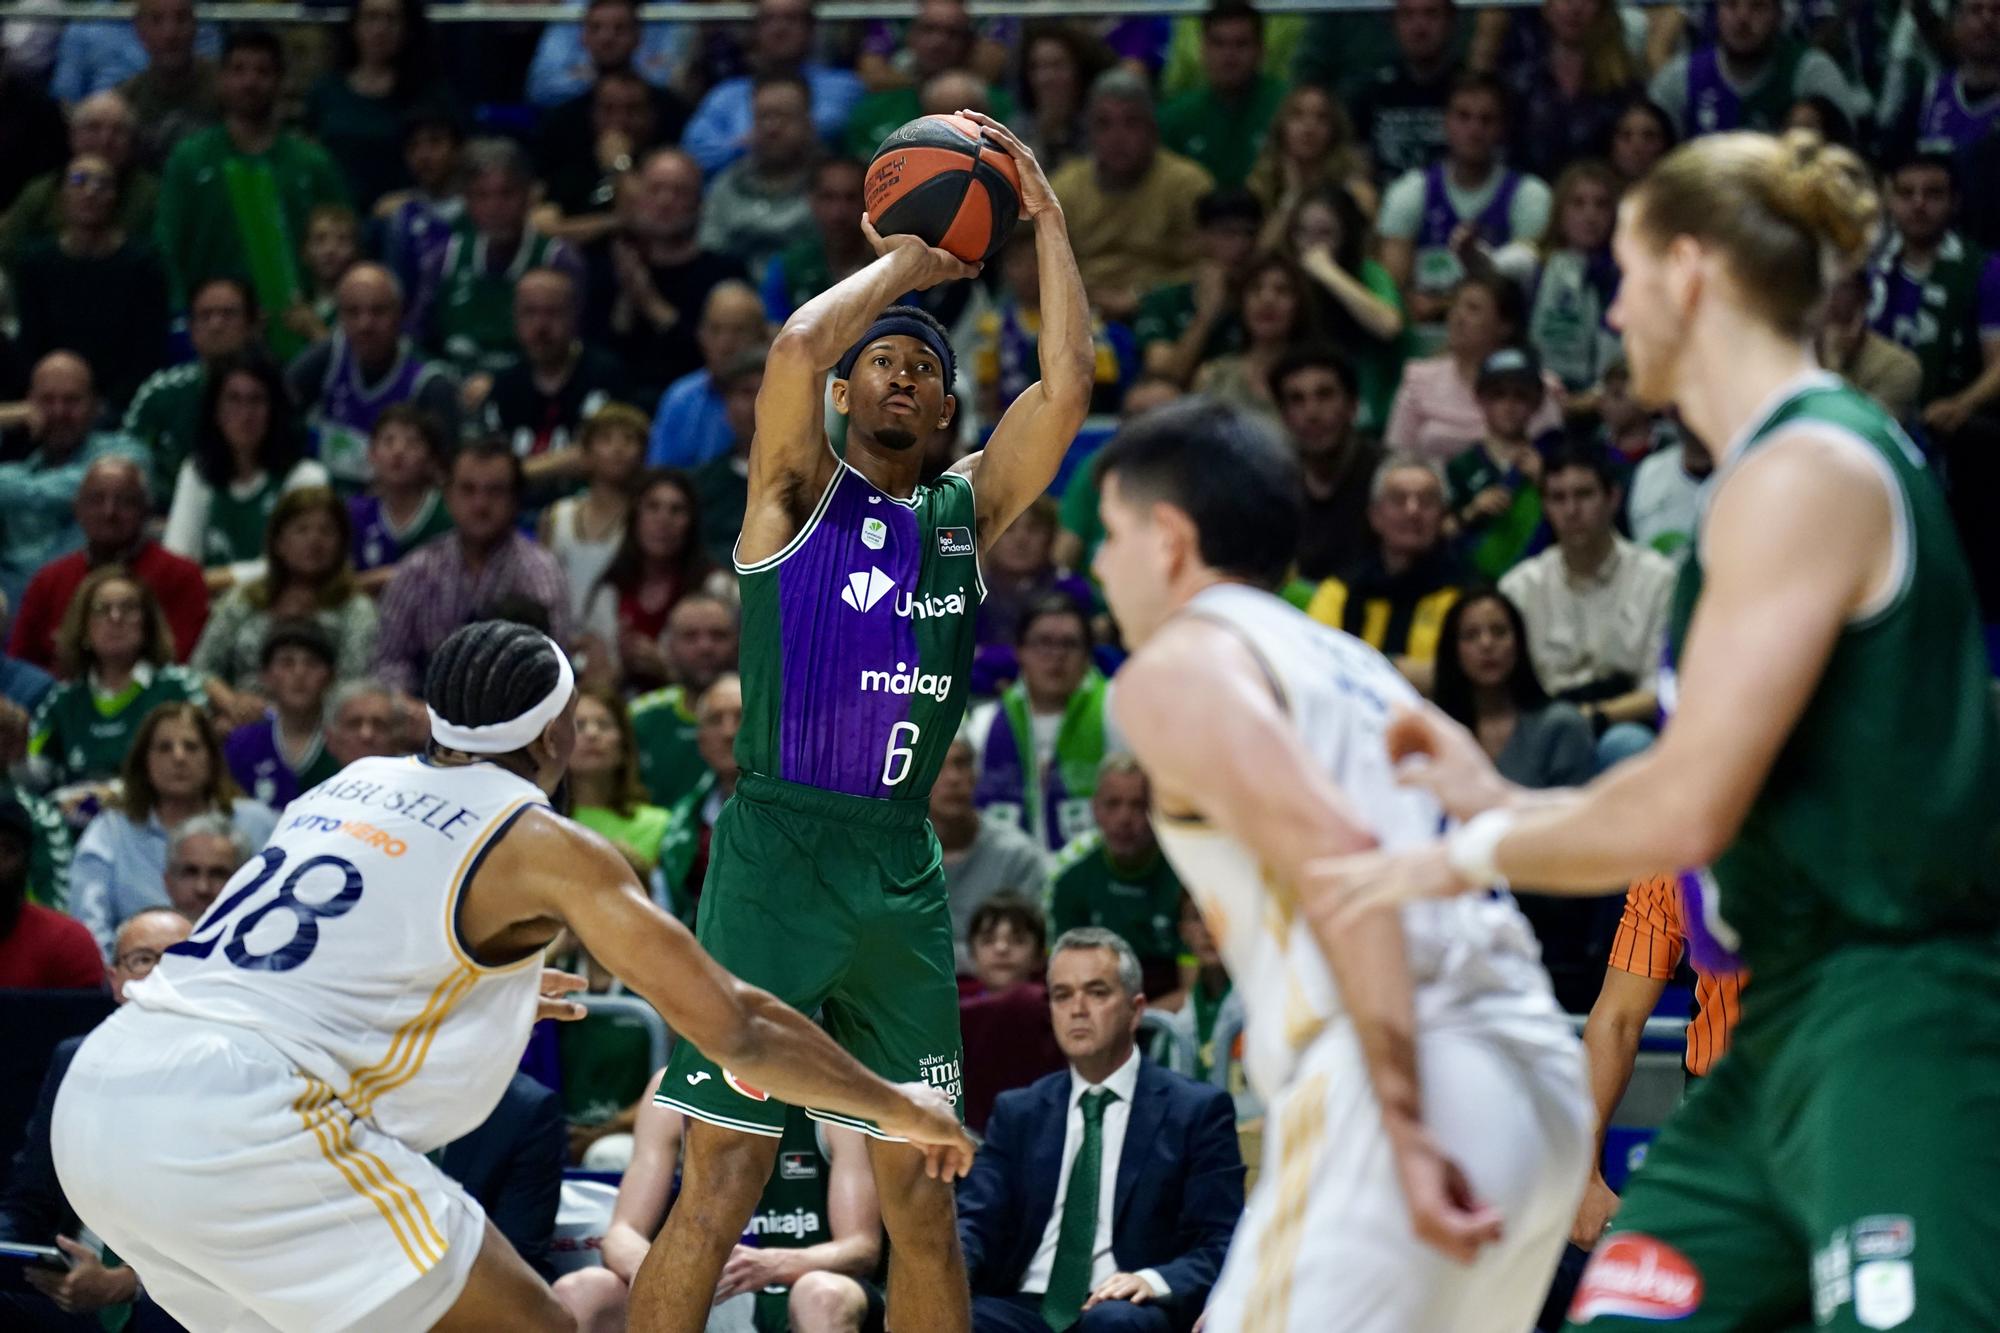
1637	1277
864	590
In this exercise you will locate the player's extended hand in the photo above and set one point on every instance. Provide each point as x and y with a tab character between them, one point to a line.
555	985
940	266
1594	1214
929	1122
1121	1287
1433	752
87	1285
1444	1212
1037	196
751	1270
1346	888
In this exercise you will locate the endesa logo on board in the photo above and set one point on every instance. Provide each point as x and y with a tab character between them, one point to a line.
1639	1278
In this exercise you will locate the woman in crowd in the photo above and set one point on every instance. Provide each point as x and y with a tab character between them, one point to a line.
659	560
1640	136
1359	306
1277	313
1436	414
1577	282
173	772
357	110
1057	66
115	656
605	792
1311	145
247	453
1570	68
308	575
583	531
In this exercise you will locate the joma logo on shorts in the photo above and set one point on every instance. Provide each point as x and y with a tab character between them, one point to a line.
905	681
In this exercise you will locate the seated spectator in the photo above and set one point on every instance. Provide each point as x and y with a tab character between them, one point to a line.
403	506
1596	606
817	1230
410	228
605	793
1468	212
658	560
1006	347
332	246
982	857
1311	152
466	302
584	531
38	490
165	413
111	509
757	204
1083	528
93	1290
385	65
283	752
1315	390
1436	413
939	40
1749	75
49	858
1486	682
360	721
210	225
1222	123
113	656
1577	282
1399	112
698	648
1172	1172
1928	293
1204	991
1494	488
1396	598
1640	137
1278	314
650	281
833	249
40	948
102	127
173	772
1958	108
571	56
1570	72
718	716
1059	62
203	852
588	142
175	94
1003	1006
346	382
1130	205
1115	876
1890	374
1038	746
1019	570
443	585
781	42
555	381
1183	324
247	455
722	484
1359	308
1665	499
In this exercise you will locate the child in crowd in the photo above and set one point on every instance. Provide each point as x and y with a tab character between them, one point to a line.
284	753
1577	284
403	506
1495	486
583	531
332	246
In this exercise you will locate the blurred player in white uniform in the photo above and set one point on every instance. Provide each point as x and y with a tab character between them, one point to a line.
1427	1130
249	1131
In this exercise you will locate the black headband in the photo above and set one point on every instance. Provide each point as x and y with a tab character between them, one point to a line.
888	327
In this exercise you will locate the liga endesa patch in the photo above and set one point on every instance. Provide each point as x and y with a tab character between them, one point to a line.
1638	1277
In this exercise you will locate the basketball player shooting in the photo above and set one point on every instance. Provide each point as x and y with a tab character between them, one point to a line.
860	589
249	1130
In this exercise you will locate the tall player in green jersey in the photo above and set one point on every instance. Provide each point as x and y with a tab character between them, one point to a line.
1832	766
860	588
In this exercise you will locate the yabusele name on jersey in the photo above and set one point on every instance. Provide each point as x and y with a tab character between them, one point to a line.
1638	1277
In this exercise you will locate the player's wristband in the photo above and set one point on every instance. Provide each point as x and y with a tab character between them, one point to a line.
1471	848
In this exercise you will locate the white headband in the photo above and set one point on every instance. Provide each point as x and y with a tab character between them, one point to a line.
515	733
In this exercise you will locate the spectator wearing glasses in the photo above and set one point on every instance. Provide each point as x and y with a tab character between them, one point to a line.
165	414
1039	745
101	126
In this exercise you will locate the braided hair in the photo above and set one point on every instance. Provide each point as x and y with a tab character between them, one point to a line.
490	671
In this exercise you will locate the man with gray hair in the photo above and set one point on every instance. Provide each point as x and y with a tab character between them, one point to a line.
202	853
360	721
101	126
1113	877
1130	203
1396	598
1122	1228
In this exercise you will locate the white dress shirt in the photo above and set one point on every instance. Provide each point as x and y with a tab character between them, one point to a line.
1584	627
1124	1081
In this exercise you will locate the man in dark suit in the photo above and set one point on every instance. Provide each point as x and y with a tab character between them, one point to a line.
1105	1195
513	1164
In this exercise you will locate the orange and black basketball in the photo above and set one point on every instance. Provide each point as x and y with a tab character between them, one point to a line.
940	178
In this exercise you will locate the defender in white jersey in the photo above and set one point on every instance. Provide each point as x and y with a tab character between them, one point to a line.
1427	1132
249	1131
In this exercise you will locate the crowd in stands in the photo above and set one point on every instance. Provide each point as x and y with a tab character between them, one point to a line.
316	344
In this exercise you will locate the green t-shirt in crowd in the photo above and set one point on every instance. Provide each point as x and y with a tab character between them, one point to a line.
163	417
1223	134
83	735
663	728
879	115
1140	904
638	834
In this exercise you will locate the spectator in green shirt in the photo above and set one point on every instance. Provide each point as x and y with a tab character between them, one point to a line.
605	792
1082	527
1222	123
165	414
1116	877
235	198
1183	324
101	126
835	248
940	38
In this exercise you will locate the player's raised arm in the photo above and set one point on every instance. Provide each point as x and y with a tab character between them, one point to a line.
1026	448
551	868
1238	763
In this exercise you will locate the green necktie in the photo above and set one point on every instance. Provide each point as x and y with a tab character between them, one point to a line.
1076	1238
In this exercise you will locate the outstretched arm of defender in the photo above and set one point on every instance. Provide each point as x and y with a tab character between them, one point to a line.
1239	763
560	870
1026	448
